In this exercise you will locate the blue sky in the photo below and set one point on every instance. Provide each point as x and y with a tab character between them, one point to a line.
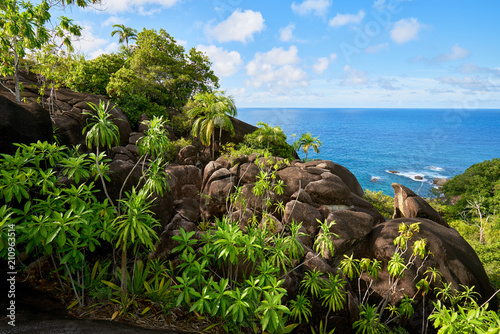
326	53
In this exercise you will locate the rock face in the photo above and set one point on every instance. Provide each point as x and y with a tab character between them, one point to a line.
311	191
452	256
439	181
71	118
22	123
407	204
240	130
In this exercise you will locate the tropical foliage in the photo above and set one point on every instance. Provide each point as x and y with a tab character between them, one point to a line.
93	76
250	265
479	183
210	111
22	29
160	74
382	202
231	273
306	142
124	33
268	139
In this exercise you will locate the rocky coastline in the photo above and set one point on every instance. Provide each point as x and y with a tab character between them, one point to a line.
314	191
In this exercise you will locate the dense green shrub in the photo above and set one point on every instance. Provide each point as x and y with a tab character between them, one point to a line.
93	76
267	139
161	75
480	180
383	203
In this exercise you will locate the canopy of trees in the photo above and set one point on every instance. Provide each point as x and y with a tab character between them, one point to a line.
160	73
22	29
479	180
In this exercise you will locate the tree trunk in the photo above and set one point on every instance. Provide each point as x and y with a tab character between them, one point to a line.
481	227
16	77
123	285
213	146
220	138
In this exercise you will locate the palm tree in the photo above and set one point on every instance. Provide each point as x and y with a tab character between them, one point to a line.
271	135
125	33
306	141
212	110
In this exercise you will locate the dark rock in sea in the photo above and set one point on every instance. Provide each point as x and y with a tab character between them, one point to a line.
393	172
419	177
439	181
407	204
374	179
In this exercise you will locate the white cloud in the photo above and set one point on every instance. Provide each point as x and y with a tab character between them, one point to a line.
109	48
91	45
471	68
457	53
469	83
343	19
316	7
286	33
321	64
240	27
113	20
354	77
224	63
382	4
116	6
406	30
278	56
379	4
277	68
141	10
377	48
388	83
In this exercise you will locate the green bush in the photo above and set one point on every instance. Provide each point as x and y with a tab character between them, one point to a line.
383	203
92	76
267	139
479	180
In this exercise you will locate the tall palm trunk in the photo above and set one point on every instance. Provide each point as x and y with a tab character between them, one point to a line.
213	147
220	138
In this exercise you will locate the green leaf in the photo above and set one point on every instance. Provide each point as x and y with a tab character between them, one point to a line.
111	285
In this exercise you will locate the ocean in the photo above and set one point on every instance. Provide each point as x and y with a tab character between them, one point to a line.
418	144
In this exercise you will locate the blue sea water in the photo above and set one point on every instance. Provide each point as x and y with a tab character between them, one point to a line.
426	143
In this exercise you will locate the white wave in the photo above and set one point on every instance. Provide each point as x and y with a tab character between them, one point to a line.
415	176
434	168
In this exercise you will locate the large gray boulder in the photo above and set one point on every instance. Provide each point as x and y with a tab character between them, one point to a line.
408	204
455	259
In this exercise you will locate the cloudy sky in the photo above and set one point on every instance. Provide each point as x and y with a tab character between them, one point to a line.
326	53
